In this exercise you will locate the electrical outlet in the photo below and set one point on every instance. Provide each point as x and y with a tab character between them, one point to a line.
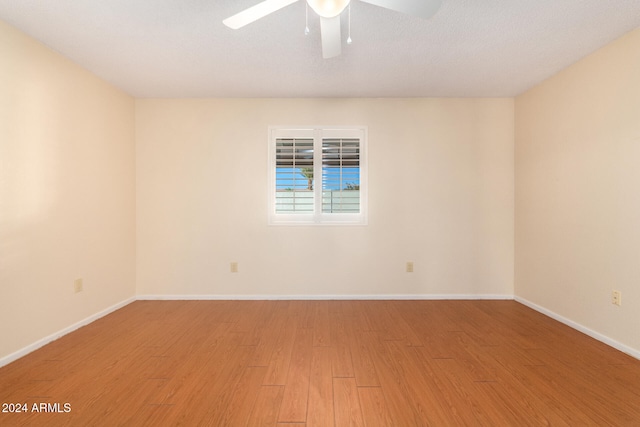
77	285
409	266
233	267
616	298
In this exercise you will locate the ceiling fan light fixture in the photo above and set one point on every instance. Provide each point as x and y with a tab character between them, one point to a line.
328	8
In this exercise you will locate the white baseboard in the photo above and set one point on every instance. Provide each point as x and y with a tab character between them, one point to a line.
593	334
328	297
46	340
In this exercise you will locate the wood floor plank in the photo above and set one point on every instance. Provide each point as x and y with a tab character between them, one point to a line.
242	400
339	326
296	390
278	368
363	366
374	408
268	338
402	330
342	362
429	402
305	313
341	358
306	363
347	403
320	411
266	407
321	325
396	390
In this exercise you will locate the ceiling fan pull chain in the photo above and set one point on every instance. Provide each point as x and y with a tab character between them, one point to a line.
306	19
349	41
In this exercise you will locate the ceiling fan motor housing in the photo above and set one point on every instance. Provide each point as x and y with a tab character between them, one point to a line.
328	8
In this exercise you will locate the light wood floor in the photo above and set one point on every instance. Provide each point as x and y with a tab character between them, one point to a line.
325	363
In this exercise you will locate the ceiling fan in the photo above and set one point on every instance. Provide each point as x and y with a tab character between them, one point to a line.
329	12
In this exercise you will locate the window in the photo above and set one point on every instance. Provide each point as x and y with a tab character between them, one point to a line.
317	176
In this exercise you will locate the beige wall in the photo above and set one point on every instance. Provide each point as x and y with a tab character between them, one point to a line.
67	202
441	195
577	192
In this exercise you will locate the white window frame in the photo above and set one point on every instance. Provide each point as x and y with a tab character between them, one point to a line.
317	217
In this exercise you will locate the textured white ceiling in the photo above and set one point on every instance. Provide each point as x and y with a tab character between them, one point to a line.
180	48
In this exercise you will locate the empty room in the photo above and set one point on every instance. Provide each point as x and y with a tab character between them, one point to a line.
319	213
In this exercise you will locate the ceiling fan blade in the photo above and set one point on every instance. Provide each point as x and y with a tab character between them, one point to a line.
331	41
256	12
421	8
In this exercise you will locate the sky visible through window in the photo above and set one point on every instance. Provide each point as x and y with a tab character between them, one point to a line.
289	179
